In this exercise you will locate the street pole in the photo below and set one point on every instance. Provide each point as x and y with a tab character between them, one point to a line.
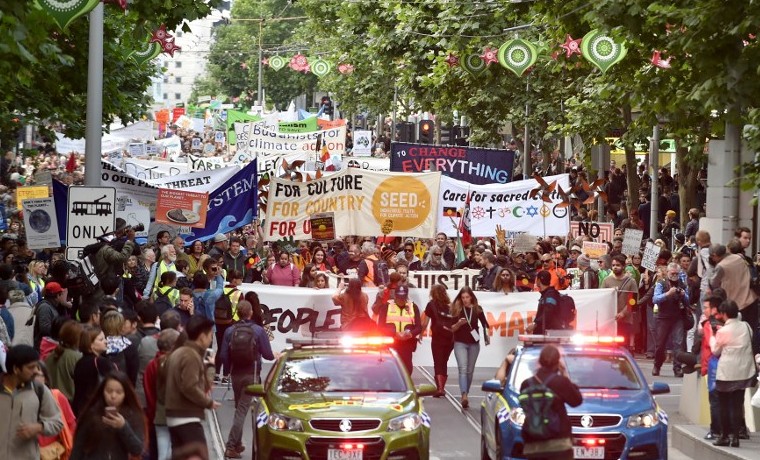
94	126
526	143
654	157
395	105
259	99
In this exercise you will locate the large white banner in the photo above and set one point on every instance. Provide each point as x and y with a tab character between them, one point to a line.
507	205
152	169
360	202
257	141
299	312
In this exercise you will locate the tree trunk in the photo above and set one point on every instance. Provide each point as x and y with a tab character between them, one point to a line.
632	178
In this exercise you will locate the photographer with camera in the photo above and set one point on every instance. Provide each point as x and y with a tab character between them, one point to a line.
673	307
109	258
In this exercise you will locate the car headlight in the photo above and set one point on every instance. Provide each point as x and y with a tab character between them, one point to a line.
517	416
408	422
279	422
646	419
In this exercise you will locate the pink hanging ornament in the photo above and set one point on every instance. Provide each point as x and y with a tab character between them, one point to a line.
490	55
571	46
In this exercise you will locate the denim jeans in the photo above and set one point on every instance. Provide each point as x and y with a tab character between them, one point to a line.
714	412
651	330
668	328
242	408
466	355
164	442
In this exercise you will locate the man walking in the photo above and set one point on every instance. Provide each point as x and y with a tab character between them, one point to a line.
671	297
627	292
189	373
547	314
244	345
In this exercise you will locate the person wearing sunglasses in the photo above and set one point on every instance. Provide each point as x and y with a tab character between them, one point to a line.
559	279
408	256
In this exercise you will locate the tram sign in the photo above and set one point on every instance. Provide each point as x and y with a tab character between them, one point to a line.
92	213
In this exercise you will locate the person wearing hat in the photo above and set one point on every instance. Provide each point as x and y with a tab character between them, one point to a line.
219	246
679	243
46	311
572	261
401	317
588	276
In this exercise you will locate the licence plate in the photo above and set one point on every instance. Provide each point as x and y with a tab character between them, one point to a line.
344	454
588	452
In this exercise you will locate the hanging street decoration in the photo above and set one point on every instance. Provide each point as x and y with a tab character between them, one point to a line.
452	60
489	55
518	55
277	62
345	69
601	50
64	12
658	61
474	64
170	47
320	67
147	53
571	46
165	40
299	63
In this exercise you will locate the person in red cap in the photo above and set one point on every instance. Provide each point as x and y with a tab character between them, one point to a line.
47	310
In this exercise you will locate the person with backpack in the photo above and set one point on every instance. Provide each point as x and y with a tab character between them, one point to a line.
29	409
589	277
546	431
371	270
166	295
225	315
46	311
547	314
244	345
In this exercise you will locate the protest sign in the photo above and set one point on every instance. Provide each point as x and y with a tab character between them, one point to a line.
469	164
632	241
304	126
651	253
137	149
323	226
36	191
298	312
508	205
362	143
369	163
362	202
152	169
599	231
198	163
181	207
256	141
525	242
41	223
595	250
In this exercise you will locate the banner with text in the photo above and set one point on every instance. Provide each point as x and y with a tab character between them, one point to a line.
507	205
363	202
299	312
470	164
256	141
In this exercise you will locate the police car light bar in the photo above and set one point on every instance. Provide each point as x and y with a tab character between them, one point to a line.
576	339
345	341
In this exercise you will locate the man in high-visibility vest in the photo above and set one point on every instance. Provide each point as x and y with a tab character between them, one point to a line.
401	317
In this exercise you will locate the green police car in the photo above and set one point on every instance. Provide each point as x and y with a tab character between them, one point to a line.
346	398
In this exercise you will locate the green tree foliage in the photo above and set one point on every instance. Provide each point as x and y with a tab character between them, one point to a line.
43	70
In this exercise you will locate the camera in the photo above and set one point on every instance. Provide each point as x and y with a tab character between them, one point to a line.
137	228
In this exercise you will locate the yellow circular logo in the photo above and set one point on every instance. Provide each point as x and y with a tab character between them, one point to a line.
403	200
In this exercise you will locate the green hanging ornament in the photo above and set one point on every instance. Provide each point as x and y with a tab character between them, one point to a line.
518	55
147	53
64	12
601	50
473	64
277	62
320	67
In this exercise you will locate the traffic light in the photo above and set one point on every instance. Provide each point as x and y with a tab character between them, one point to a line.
327	104
426	132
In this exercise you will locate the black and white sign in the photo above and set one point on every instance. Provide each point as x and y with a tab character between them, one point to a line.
91	213
632	241
651	252
41	223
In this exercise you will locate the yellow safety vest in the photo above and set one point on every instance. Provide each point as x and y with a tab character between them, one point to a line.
162	267
400	317
234	298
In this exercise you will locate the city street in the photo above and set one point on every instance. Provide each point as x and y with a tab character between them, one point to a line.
455	434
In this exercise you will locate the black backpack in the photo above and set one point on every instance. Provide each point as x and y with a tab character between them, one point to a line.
163	302
541	421
242	347
566	310
223	309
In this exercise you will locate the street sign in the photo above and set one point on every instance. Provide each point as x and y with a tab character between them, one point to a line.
91	213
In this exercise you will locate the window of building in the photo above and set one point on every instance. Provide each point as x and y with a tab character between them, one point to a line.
178	64
166	79
177	96
177	79
166	96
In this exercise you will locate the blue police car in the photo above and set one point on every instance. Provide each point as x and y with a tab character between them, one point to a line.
618	419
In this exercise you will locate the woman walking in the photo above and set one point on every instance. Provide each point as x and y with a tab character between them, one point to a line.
438	314
91	368
467	313
112	425
353	305
736	371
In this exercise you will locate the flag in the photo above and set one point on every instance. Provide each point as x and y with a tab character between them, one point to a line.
71	164
464	223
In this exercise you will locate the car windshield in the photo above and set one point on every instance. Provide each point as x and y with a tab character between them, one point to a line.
345	373
599	371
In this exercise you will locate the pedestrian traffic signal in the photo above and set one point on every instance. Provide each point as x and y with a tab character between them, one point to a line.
426	132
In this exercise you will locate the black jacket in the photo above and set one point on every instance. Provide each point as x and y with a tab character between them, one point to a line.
546	316
567	393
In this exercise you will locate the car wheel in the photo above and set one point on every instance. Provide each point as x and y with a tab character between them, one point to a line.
499	455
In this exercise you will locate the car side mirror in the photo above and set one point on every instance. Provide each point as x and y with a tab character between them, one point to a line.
426	389
493	386
660	388
255	390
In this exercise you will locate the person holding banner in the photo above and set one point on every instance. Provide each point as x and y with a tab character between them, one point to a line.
467	313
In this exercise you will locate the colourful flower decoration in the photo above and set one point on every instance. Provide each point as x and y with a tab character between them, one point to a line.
170	47
571	46
160	35
452	60
659	62
299	63
345	69
489	55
